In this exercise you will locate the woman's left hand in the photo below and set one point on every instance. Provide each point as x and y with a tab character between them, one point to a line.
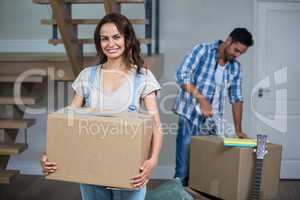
143	178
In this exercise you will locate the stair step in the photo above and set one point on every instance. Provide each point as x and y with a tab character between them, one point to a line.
12	149
59	61
92	21
16	123
6	176
13	78
89	1
11	101
91	41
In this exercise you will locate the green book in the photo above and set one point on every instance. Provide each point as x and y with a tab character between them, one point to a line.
237	142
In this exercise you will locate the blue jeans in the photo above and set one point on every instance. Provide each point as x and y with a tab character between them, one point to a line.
183	142
93	192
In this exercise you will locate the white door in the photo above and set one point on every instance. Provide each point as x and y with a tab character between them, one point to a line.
276	92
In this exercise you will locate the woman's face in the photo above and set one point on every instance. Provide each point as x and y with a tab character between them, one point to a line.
112	41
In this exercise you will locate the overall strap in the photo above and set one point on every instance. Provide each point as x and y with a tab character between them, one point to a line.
93	75
136	80
92	78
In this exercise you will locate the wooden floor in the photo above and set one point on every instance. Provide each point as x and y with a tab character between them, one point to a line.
26	187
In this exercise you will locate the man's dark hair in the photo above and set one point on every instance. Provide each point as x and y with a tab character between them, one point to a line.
242	35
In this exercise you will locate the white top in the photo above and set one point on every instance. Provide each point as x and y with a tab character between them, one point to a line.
120	99
220	83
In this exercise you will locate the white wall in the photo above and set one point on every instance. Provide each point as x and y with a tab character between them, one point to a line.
183	24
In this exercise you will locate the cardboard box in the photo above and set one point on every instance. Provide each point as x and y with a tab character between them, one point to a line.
227	172
105	150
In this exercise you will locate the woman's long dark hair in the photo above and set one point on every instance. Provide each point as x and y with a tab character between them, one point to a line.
132	45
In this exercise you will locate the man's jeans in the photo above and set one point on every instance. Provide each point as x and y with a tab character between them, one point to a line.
93	192
183	142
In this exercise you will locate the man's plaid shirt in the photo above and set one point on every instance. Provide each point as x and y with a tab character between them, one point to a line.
198	69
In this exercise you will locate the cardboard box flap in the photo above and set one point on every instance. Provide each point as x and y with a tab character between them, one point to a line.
89	113
209	138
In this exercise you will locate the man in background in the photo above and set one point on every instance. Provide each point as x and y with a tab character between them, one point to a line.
206	75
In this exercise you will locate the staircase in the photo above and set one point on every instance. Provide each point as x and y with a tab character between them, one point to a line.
11	124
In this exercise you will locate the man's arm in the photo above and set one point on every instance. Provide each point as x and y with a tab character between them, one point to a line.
237	112
185	78
205	106
236	99
185	73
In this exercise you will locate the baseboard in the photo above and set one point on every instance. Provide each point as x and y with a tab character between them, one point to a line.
38	45
34	168
290	169
163	172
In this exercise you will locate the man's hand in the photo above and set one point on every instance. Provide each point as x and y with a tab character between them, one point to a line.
241	135
205	107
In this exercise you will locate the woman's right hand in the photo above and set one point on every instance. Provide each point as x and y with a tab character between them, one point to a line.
48	167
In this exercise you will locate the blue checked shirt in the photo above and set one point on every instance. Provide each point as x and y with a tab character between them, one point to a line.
198	69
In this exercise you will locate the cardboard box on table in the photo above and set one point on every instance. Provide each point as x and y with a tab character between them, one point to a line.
105	150
227	172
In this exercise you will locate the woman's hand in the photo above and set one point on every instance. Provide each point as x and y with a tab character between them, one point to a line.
48	167
143	178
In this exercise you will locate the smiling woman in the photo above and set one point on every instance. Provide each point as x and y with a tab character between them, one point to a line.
119	83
